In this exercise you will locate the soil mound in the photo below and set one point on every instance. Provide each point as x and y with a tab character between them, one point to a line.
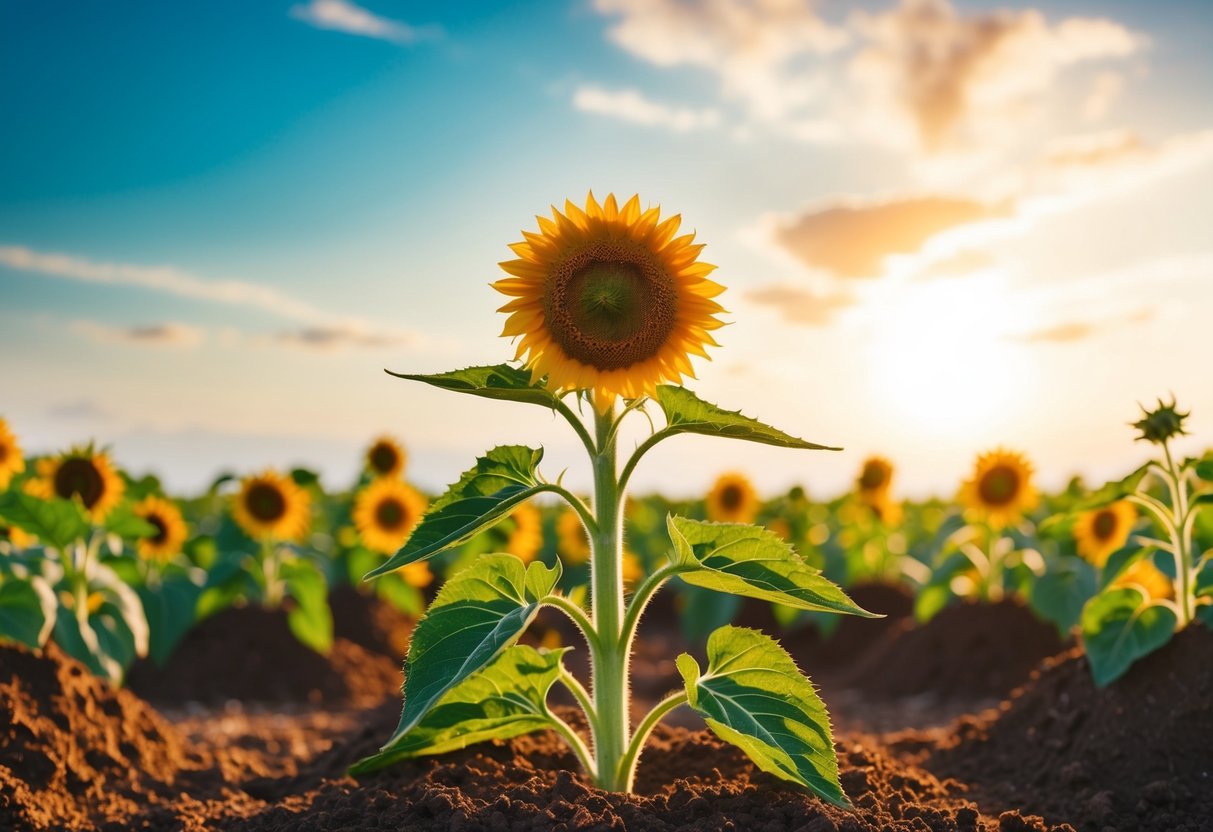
370	622
688	780
1137	755
72	748
816	654
250	654
968	651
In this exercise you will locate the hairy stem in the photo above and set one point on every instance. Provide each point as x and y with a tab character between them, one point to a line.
627	766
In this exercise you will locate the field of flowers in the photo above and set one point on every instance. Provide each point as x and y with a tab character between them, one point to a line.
999	658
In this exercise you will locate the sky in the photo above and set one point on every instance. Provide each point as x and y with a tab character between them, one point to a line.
944	225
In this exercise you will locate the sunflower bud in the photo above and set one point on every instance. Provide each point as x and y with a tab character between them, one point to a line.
1162	423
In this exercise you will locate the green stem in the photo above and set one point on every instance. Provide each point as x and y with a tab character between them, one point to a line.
575	503
1184	594
574	686
610	666
269	570
577	615
630	466
641	597
578	427
575	742
627	766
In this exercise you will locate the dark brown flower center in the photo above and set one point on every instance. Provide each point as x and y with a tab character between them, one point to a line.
161	528
265	502
731	497
999	486
79	477
874	476
610	305
1105	524
384	458
3	452
390	514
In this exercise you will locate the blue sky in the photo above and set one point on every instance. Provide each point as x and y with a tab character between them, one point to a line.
220	221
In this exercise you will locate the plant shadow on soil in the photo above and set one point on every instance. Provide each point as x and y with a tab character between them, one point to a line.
1054	755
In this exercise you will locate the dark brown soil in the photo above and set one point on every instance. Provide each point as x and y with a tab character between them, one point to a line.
249	654
370	622
1136	756
967	652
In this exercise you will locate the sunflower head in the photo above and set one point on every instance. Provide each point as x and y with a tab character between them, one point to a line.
385	457
271	506
609	299
571	539
171	530
1001	487
1147	577
1161	423
1100	532
526	538
385	513
83	474
12	462
18	539
732	499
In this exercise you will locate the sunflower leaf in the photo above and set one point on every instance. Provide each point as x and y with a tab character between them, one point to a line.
56	522
27	610
754	697
740	559
502	479
477	614
126	524
498	381
687	413
1120	626
1113	491
505	699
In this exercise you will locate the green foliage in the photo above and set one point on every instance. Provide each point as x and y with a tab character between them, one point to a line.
477	614
499	381
1059	594
505	699
104	627
27	609
687	413
124	523
56	522
747	560
503	478
171	611
1120	626
309	616
753	696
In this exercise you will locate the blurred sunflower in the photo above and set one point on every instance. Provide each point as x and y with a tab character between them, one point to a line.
780	528
732	499
271	505
1001	487
12	462
1103	531
526	538
875	479
82	474
385	457
571	539
17	537
608	299
632	570
385	513
171	530
1147	577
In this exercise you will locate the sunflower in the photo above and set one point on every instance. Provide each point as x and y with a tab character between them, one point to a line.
631	570
80	474
608	299
271	505
875	478
732	499
19	539
171	530
1001	487
11	460
1147	577
571	539
526	539
385	513
385	457
1102	531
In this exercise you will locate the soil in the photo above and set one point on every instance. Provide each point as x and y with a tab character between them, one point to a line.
1135	756
249	654
967	652
370	622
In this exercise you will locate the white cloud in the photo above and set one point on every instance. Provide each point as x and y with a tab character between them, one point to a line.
631	105
342	336
1105	90
341	16
170	334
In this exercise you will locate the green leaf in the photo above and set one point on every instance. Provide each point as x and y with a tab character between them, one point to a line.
477	614
1203	466
703	611
171	610
27	610
58	523
309	618
124	523
110	636
754	697
1059	594
1114	491
504	700
499	381
747	560
1119	627
501	479
687	413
